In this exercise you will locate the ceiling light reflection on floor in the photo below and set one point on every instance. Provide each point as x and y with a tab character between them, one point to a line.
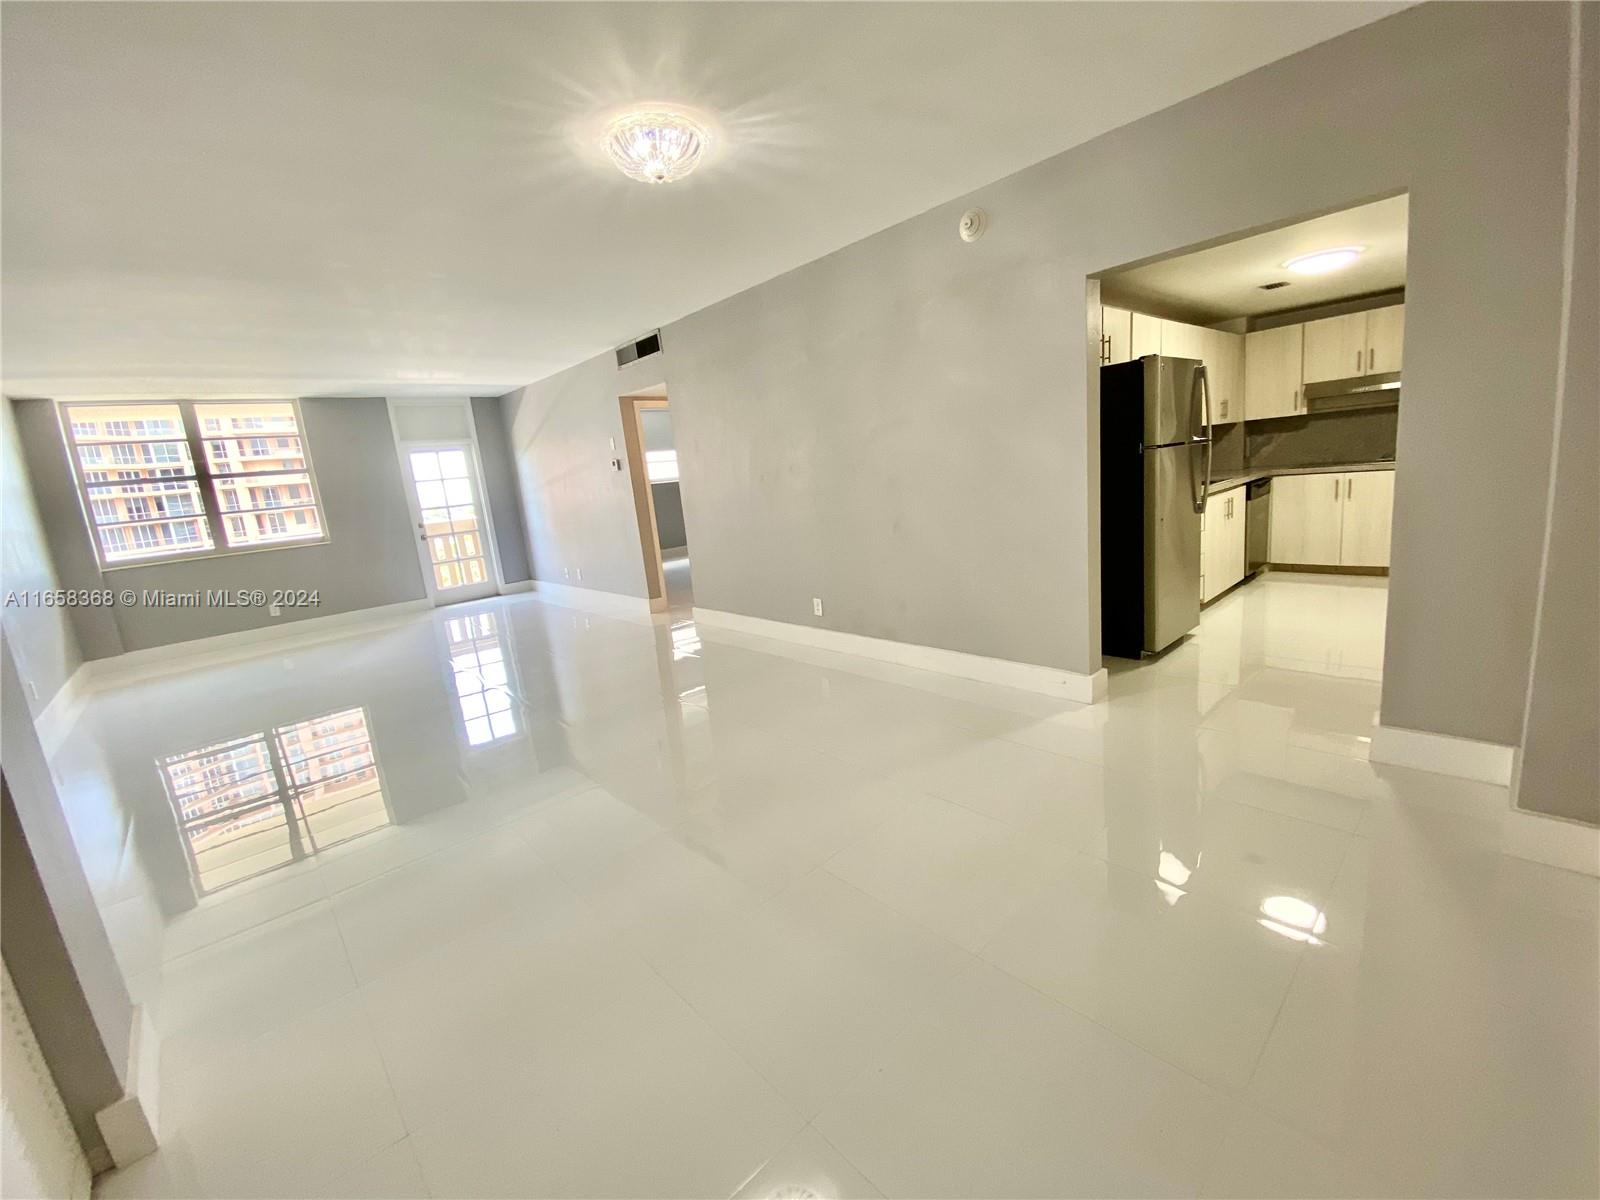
1293	918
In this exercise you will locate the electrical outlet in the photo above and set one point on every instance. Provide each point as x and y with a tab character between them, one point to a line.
580	574
566	573
274	610
816	606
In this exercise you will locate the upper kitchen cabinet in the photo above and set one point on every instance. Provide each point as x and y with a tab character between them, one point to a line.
1223	354
1272	362
1360	343
1386	335
1146	336
1182	341
1336	348
1116	335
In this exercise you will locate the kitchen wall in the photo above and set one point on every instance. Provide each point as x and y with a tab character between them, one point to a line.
369	561
1356	435
46	645
936	479
1559	770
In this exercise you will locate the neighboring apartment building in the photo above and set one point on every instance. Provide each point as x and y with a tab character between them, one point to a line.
137	473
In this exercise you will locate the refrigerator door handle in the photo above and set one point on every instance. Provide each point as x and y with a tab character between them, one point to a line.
1201	489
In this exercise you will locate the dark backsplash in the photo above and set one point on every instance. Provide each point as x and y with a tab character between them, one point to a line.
1357	435
1227	450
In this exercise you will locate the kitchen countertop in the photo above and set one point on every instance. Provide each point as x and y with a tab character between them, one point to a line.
1226	483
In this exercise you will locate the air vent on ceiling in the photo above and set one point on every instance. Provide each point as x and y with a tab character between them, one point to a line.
1274	286
649	344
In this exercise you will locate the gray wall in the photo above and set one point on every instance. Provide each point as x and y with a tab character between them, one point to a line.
500	488
577	509
1560	765
935	478
670	531
51	934
371	559
46	645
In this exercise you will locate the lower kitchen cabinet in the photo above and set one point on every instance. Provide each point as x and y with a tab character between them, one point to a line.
1222	545
1332	520
1368	515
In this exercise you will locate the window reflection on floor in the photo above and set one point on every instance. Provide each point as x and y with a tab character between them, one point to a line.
478	662
259	802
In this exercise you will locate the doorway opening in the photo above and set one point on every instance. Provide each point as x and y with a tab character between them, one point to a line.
438	451
1278	353
658	499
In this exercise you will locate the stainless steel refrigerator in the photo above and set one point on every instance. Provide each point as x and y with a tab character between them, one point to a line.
1155	466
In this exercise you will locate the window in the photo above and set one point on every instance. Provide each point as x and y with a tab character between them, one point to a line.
158	477
661	466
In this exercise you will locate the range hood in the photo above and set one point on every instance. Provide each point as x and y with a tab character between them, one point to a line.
1359	391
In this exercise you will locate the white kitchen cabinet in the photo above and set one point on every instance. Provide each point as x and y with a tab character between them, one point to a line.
1386	337
1272	372
1306	515
1116	335
1336	348
1332	520
1182	341
1145	336
1368	516
1222	543
1362	343
1223	354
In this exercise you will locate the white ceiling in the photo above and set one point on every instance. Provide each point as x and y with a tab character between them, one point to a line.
1224	281
358	198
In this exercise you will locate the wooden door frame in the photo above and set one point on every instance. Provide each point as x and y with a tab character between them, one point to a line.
644	503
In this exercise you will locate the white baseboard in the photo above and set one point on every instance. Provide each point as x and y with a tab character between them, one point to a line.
611	604
1051	681
57	717
155	661
1554	841
520	585
1487	762
129	1125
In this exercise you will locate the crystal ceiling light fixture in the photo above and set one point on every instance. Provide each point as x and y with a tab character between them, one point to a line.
1323	261
656	145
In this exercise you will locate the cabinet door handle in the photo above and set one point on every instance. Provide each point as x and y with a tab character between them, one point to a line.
1349	487
1358	362
1372	358
1335	487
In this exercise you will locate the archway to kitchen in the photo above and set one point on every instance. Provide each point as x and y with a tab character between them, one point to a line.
1248	399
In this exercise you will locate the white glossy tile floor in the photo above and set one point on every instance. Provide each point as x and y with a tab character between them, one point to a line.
604	907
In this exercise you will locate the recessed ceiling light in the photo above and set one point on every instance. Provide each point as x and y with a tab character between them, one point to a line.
655	145
1323	261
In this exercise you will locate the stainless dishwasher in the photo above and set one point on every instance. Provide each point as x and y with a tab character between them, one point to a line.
1257	525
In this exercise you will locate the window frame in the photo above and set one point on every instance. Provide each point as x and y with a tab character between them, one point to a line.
204	479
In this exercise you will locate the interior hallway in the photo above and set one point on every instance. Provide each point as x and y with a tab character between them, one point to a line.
645	914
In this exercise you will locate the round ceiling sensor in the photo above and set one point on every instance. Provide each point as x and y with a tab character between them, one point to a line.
656	146
973	222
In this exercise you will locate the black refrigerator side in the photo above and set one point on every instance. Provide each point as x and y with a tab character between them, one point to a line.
1122	498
